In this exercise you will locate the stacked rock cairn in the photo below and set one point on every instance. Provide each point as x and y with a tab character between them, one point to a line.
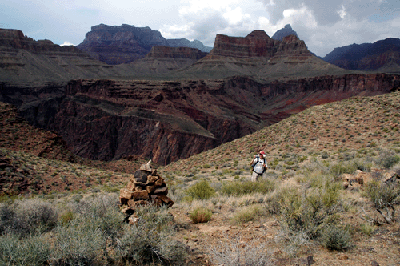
145	187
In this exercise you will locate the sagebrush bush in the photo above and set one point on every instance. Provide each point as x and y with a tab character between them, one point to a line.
382	194
343	168
80	242
33	250
149	241
200	190
336	238
388	159
91	232
27	216
239	188
248	214
200	215
309	211
233	252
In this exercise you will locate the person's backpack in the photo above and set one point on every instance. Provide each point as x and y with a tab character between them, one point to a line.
258	165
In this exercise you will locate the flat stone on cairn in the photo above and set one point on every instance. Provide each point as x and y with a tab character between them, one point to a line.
144	187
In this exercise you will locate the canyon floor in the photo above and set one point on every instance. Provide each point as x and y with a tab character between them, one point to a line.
306	153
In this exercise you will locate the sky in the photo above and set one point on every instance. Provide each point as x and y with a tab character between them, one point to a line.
322	24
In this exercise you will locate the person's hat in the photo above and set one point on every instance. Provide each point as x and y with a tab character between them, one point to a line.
262	152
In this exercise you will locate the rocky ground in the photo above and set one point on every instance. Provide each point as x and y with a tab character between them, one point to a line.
324	141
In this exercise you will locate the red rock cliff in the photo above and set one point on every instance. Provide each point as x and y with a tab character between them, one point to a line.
256	44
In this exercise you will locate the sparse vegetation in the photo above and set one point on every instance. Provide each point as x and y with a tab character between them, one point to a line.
304	202
200	215
200	190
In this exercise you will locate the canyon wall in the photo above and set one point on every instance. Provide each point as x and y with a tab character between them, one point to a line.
167	121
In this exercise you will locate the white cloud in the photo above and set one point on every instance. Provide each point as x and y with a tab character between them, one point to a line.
342	12
67	44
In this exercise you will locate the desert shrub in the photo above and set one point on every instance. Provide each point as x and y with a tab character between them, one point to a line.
102	210
80	242
200	190
149	241
248	214
367	229
343	168
238	188
382	194
200	215
336	238
233	252
310	211
387	159
28	216
33	250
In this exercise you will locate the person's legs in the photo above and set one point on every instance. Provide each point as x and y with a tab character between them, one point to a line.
254	176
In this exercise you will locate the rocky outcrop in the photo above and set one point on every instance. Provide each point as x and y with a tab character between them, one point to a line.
124	44
383	55
256	44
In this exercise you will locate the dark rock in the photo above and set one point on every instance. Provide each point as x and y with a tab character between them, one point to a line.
383	55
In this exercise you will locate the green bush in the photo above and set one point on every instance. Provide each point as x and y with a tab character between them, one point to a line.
247	214
33	250
238	188
343	168
310	211
388	159
27	216
149	242
336	238
382	194
200	215
200	190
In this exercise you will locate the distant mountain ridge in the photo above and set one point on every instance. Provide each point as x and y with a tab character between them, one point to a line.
383	55
124	44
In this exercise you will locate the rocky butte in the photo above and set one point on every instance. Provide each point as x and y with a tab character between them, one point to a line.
124	44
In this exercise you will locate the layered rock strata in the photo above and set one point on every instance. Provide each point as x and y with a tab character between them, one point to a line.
167	121
26	62
124	44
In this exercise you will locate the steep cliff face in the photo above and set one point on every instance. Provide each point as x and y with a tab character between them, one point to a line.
124	44
259	56
26	62
166	121
157	52
120	44
257	44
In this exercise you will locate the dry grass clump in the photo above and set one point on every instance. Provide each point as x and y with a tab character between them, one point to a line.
248	214
237	251
243	187
200	215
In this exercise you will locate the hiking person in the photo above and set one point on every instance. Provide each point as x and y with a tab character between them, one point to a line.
259	165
